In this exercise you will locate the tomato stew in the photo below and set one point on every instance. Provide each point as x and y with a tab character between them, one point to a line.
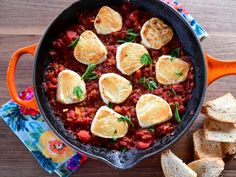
77	117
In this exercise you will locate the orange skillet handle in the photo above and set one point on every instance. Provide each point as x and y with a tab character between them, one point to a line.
218	68
11	77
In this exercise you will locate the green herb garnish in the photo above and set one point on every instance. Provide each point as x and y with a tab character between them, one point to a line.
74	43
109	105
176	112
90	74
146	59
78	92
173	91
130	36
131	32
114	137
152	129
130	83
174	53
147	83
179	73
127	119
123	149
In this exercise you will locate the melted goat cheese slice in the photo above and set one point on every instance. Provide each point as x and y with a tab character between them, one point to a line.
114	88
171	70
89	49
107	21
151	110
155	33
68	80
105	124
128	57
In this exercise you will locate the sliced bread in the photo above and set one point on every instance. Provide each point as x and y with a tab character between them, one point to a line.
228	148
172	166
204	148
219	131
222	109
208	167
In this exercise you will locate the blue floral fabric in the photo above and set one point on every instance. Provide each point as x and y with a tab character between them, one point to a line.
199	31
51	153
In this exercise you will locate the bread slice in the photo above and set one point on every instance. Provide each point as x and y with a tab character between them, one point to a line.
172	166
222	109
219	131
204	148
228	148
208	167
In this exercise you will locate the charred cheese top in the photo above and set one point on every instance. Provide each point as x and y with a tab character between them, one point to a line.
89	49
171	70
155	33
107	21
106	125
128	57
151	110
114	88
69	82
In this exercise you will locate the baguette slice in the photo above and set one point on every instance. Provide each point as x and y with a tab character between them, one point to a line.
219	131
222	109
204	148
228	148
172	166
208	167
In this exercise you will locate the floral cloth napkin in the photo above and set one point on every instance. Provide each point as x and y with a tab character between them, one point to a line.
50	152
199	31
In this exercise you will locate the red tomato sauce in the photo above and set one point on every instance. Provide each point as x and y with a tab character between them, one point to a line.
78	121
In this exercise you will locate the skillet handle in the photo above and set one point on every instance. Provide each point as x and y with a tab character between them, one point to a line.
218	68
11	77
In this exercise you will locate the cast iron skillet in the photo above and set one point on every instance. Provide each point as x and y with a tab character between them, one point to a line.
192	46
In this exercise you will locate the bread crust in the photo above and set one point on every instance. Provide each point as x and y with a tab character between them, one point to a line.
204	148
172	166
222	109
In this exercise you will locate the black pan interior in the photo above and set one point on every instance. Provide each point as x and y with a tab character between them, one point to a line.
189	41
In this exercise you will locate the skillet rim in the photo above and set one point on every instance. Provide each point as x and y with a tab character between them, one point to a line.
96	157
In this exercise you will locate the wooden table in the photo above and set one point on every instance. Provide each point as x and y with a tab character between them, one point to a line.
22	23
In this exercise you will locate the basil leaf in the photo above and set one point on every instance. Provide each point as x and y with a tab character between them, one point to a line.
130	83
74	43
147	83
174	53
78	92
125	118
92	77
130	36
109	105
176	112
151	85
141	81
114	137
146	59
152	129
89	73
131	32
179	73
123	149
173	91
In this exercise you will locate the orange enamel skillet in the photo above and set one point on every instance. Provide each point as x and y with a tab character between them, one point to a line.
216	69
207	69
